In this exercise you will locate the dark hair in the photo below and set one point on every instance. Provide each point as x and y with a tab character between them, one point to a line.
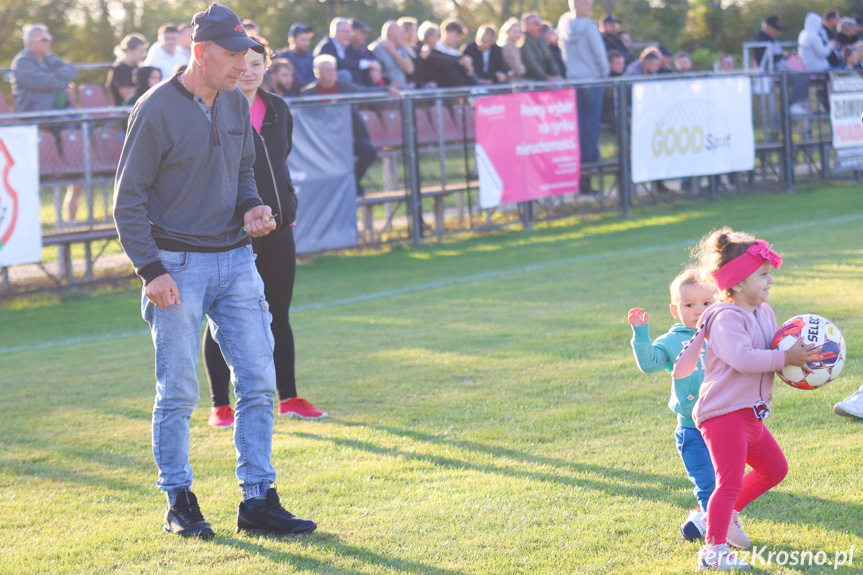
452	25
168	29
612	54
141	76
720	247
649	53
279	63
830	14
268	54
132	41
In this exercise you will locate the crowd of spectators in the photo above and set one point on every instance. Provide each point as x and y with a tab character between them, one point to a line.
408	54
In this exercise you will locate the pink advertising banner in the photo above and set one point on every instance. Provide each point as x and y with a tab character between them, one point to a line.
526	146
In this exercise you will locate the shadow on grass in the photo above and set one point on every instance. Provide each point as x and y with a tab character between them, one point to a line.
328	542
779	506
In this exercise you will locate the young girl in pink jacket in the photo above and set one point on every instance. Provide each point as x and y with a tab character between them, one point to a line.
736	395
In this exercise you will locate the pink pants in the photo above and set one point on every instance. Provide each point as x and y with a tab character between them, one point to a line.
734	440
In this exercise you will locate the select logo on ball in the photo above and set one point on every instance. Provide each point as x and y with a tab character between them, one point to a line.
817	330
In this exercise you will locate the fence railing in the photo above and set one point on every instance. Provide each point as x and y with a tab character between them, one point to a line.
424	184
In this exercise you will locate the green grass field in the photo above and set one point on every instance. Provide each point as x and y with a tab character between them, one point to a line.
487	416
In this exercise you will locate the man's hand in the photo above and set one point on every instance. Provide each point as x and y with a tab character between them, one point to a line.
163	291
259	221
637	317
501	77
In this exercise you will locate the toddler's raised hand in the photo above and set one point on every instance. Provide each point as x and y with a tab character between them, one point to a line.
637	317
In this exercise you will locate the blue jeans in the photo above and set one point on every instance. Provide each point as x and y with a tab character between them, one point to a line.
589	104
226	288
696	460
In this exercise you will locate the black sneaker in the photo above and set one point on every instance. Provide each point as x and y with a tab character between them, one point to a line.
184	517
268	516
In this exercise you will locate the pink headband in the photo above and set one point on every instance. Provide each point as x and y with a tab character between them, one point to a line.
745	265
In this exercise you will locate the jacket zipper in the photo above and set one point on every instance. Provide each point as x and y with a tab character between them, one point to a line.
281	213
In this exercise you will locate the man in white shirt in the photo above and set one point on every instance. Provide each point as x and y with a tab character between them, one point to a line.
167	54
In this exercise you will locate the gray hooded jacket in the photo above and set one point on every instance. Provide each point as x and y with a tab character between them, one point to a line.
583	48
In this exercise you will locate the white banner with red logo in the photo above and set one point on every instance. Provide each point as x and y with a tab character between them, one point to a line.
526	146
684	128
846	107
20	231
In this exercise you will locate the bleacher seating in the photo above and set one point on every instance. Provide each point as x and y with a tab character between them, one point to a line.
51	162
452	131
92	96
107	147
392	118
72	149
375	129
426	132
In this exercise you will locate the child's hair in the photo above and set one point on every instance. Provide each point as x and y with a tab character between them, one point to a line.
720	247
689	276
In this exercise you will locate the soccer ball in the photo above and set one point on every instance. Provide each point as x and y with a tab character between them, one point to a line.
818	330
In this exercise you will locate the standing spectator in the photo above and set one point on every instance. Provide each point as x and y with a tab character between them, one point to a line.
442	65
616	63
276	253
814	47
121	82
396	58
682	62
166	54
429	35
351	65
586	59
185	204
40	78
665	56
538	62
328	82
281	73
549	34
770	28
611	36
510	40
184	40
251	27
39	83
145	78
830	19
411	42
647	64
725	63
299	42
487	57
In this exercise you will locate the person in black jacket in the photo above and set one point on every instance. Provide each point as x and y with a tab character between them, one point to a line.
488	63
276	253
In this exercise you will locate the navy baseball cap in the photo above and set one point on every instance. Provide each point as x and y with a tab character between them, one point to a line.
218	24
773	22
298	28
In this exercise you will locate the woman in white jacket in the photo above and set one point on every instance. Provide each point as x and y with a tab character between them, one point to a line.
813	44
813	47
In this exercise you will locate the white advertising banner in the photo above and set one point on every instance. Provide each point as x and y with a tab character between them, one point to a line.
687	128
20	231
846	107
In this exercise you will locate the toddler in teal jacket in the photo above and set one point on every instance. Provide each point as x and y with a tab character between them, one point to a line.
690	297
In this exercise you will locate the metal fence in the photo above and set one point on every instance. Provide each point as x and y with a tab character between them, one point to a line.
423	184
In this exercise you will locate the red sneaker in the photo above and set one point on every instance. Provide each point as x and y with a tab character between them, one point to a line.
299	407
222	417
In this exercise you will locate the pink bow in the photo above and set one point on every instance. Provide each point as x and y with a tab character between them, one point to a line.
761	249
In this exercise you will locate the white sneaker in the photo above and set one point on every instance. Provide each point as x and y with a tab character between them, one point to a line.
693	528
720	558
736	537
851	406
798	109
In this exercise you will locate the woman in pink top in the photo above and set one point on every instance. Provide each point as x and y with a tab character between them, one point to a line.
736	395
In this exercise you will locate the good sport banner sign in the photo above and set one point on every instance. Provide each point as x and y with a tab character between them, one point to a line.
526	146
691	128
846	107
20	232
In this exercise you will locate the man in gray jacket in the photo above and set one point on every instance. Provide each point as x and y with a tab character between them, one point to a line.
39	78
586	59
185	204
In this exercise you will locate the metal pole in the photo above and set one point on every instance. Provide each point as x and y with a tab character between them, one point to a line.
88	171
409	137
625	177
787	143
